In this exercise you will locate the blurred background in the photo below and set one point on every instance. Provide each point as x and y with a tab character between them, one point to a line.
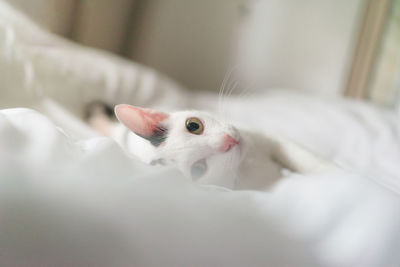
332	47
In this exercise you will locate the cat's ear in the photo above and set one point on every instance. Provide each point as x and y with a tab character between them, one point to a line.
143	122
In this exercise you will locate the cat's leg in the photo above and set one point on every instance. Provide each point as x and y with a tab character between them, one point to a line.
99	116
298	159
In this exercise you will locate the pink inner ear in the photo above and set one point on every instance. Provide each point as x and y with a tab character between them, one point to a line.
140	121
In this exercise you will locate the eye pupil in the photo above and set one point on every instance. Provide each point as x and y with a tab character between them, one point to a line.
194	126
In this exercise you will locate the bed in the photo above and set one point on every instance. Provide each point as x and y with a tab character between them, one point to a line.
69	197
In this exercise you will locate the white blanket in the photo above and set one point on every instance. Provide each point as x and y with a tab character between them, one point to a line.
69	197
87	203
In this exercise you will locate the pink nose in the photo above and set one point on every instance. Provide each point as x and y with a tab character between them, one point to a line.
228	143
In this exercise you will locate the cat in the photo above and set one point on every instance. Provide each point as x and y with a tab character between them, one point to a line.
206	149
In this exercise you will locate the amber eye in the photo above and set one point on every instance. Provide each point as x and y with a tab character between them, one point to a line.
198	169
194	126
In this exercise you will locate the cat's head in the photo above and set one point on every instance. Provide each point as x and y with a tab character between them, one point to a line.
202	147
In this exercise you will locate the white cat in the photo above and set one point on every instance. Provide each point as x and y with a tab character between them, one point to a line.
206	149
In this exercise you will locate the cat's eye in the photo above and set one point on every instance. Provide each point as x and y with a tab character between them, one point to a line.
198	169
194	126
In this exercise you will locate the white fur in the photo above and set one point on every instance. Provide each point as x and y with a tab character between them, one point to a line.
255	163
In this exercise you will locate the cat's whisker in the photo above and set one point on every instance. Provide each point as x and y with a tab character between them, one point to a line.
232	89
231	85
222	88
234	85
227	84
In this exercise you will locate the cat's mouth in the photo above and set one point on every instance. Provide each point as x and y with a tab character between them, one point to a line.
228	143
202	166
233	149
234	146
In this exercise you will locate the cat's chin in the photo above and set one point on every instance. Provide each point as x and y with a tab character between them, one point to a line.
235	154
240	149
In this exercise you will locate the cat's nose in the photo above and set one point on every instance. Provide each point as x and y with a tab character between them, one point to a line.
228	142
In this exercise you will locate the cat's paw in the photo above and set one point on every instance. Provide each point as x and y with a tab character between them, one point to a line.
99	116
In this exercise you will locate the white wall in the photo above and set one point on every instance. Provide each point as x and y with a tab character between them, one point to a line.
103	23
189	40
305	44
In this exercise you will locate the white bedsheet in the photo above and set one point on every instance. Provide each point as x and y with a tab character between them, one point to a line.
70	197
86	203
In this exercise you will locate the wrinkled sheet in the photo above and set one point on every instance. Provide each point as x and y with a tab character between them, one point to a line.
70	197
88	203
